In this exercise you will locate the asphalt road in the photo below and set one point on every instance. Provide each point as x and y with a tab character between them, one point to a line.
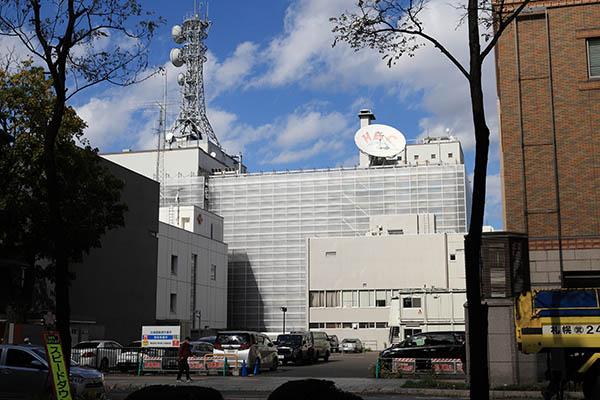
348	365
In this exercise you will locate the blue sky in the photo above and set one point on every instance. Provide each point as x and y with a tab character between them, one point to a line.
277	91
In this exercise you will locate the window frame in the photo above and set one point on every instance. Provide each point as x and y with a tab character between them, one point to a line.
588	56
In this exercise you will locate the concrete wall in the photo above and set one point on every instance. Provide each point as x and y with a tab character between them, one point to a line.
211	295
115	285
507	365
194	219
408	261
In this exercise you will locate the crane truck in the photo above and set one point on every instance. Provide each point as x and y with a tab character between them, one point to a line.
565	324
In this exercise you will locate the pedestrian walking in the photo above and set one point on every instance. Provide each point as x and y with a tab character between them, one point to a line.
182	355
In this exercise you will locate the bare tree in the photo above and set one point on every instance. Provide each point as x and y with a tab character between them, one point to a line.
80	43
394	28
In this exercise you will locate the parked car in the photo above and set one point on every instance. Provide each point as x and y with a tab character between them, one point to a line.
427	345
251	347
209	339
130	356
24	375
352	345
295	347
200	349
100	354
334	344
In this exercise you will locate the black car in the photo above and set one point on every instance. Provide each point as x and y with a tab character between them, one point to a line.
295	347
427	345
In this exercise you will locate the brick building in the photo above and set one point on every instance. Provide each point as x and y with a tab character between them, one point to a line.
548	77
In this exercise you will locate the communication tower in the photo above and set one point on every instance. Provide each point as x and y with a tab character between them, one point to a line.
191	122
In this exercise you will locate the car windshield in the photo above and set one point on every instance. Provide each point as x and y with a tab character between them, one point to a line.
349	341
289	339
233	338
42	354
86	345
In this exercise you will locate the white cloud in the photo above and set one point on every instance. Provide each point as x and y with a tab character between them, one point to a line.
232	72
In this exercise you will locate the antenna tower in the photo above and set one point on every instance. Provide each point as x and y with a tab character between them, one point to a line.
191	123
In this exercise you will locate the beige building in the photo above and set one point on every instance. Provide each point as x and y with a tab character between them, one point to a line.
352	281
192	269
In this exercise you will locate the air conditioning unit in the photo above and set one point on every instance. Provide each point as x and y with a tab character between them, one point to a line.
354	325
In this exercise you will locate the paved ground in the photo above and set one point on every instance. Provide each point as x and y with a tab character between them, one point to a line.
339	366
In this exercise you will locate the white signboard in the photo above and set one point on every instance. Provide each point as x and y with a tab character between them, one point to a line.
380	140
564	330
160	336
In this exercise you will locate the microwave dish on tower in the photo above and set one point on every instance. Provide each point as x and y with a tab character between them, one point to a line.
191	122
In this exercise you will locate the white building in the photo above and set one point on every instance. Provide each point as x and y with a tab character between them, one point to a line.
268	217
192	269
352	281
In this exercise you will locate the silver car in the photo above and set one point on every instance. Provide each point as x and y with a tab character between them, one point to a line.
24	375
249	347
352	345
100	354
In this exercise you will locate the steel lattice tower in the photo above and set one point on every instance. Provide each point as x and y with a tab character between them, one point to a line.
191	122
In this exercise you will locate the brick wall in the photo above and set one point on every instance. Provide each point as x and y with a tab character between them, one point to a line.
530	165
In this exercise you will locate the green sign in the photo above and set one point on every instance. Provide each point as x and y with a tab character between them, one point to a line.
56	362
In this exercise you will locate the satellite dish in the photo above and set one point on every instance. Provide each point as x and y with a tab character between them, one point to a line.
177	34
180	79
176	57
380	140
169	137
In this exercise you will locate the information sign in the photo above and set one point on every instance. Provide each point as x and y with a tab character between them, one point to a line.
160	336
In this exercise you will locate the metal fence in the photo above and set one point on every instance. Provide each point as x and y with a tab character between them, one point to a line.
152	359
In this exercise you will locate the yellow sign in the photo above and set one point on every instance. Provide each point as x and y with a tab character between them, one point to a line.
56	362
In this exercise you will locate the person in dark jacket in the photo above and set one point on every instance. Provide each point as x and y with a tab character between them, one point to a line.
182	355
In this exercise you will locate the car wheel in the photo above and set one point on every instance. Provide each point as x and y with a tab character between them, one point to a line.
275	364
326	358
104	365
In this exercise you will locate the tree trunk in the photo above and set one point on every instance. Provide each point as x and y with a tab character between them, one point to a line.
478	323
60	252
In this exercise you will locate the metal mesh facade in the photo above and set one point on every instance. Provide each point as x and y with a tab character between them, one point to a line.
268	217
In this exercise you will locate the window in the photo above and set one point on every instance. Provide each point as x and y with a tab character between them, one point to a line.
395	231
433	156
380	299
349	298
416	156
411	302
366	325
366	298
317	298
173	303
213	272
333	325
452	257
593	45
173	265
408	332
211	231
347	325
449	155
19	358
381	325
333	298
330	254
316	325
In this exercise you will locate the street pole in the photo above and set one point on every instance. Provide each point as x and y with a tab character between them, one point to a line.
284	309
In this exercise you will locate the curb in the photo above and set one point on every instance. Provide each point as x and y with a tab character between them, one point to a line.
386	390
